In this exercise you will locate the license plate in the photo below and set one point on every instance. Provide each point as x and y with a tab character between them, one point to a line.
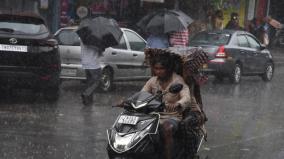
68	72
16	48
205	66
125	119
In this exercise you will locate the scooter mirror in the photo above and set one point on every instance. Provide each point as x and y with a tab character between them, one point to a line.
175	88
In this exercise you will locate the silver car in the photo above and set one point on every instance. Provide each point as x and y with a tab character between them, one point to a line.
123	62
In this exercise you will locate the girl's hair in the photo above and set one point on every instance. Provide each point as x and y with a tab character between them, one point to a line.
164	60
170	60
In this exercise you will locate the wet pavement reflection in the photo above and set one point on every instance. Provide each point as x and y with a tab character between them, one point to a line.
244	120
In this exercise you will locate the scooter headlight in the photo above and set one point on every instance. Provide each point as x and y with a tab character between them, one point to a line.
121	142
124	142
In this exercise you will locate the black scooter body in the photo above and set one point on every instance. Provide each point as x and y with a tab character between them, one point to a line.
135	133
140	138
146	145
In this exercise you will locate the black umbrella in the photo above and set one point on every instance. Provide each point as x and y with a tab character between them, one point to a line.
100	31
164	21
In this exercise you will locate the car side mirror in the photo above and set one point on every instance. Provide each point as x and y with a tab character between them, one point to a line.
262	47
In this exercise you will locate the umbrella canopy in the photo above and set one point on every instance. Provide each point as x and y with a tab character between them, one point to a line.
164	21
100	31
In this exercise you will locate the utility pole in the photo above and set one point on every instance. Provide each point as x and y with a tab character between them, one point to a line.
55	7
268	8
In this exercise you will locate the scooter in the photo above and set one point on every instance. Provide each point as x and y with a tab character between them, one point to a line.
135	133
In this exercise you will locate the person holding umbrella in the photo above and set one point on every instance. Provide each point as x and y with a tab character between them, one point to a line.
96	35
91	64
165	23
179	38
158	41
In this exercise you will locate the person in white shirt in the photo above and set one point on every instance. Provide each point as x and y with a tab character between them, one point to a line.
91	64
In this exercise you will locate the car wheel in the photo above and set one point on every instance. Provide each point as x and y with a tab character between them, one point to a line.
106	80
268	74
236	74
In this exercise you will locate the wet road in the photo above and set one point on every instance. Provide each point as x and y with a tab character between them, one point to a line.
245	121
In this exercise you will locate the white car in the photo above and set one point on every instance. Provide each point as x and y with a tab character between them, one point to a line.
119	63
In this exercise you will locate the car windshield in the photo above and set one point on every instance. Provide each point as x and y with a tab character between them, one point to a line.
21	27
210	39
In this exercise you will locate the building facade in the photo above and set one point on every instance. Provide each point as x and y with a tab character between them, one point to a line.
60	13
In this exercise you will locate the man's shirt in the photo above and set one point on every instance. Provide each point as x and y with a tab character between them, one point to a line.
158	41
179	38
90	57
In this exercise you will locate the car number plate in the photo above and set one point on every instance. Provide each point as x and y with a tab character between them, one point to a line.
68	72
16	48
125	119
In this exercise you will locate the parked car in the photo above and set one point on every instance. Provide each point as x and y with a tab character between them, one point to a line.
119	63
234	54
29	54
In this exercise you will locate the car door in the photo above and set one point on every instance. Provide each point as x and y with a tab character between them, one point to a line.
258	58
119	57
137	45
244	54
70	54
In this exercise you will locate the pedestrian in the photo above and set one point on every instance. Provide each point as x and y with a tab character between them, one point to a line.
158	41
179	38
275	29
218	20
253	26
234	22
93	43
91	63
263	31
209	14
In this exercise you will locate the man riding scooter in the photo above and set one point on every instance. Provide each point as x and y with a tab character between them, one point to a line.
163	68
164	119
